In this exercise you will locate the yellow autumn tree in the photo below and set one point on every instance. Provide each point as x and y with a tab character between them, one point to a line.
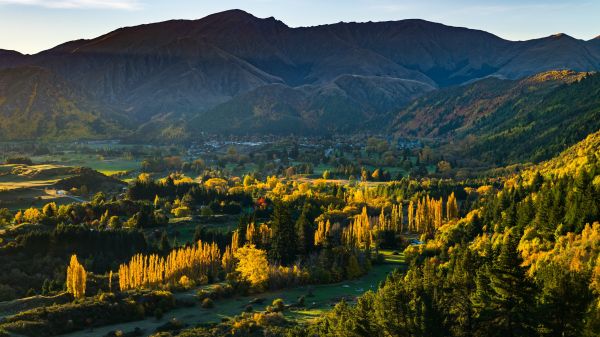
76	278
452	207
253	265
322	232
199	264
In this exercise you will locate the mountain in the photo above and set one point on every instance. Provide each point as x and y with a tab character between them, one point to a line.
10	58
221	70
37	104
279	109
507	121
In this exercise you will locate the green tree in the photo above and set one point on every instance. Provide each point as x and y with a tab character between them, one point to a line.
304	231
283	233
505	295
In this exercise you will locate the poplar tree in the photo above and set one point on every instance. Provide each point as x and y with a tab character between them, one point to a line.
76	278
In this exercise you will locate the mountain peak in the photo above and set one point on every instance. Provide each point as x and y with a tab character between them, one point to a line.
10	52
232	15
561	36
235	17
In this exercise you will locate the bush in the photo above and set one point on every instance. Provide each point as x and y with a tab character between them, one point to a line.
19	160
207	303
186	282
277	306
107	297
181	212
60	319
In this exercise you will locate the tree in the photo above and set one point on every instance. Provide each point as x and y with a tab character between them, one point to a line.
76	278
164	246
49	210
284	240
304	231
114	222
564	300
451	207
253	265
504	295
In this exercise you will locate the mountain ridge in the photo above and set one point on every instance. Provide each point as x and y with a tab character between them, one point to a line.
188	68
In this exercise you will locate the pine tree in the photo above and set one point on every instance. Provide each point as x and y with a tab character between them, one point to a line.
304	231
505	295
164	246
283	236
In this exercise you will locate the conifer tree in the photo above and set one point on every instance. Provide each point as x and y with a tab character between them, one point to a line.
283	236
304	231
505	295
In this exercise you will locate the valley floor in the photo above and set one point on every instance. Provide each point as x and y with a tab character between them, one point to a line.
323	298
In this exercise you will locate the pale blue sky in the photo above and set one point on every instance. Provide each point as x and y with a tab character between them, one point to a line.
30	26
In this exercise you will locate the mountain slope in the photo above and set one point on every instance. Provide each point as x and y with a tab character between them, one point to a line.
503	121
37	104
348	103
163	74
581	155
10	58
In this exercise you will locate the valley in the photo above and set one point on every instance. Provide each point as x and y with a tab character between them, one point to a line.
240	176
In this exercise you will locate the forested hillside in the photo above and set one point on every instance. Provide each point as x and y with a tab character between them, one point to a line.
524	261
37	104
505	122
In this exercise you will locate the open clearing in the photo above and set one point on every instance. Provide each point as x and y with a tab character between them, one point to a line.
106	166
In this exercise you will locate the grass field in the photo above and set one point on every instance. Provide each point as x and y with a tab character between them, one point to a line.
31	186
182	230
107	166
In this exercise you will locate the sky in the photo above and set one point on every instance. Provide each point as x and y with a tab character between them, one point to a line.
30	26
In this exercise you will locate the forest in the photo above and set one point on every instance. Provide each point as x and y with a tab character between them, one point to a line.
516	253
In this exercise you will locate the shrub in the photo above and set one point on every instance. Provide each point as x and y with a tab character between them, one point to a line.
277	306
19	160
207	303
181	212
61	319
186	282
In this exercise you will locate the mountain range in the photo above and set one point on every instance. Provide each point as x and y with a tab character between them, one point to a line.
232	72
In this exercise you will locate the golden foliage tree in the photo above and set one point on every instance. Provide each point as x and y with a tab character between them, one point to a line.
199	263
451	207
253	265
359	233
322	232
428	215
76	278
